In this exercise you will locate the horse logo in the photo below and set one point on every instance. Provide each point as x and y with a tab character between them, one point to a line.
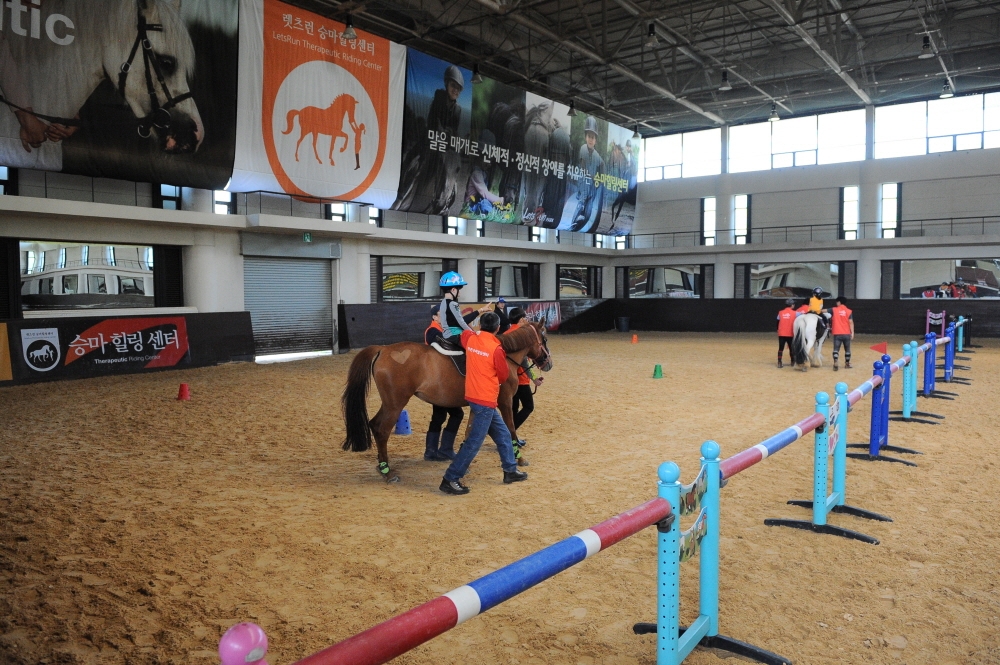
41	348
316	121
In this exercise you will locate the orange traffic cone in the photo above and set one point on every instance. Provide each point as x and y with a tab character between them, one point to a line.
635	339
184	393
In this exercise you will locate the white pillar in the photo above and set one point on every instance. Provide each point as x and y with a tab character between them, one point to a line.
355	272
608	281
548	276
723	279
469	270
213	272
869	286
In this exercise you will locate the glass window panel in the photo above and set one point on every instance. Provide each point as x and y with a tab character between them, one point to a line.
221	208
3	173
969	142
851	193
709	204
663	150
991	111
671	172
900	122
958	115
841	137
750	147
889	190
782	161
939	144
740	201
888	211
793	135
901	148
655	173
702	153
991	140
805	158
222	196
170	205
741	240
741	221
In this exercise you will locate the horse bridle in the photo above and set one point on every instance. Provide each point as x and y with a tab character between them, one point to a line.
545	351
159	116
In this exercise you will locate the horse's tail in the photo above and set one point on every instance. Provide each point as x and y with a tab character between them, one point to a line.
799	344
355	400
290	121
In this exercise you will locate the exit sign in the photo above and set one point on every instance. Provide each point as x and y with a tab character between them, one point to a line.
307	237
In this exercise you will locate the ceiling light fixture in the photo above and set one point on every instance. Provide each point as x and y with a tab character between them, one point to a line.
349	30
926	51
725	87
476	76
572	108
651	41
637	135
774	114
946	91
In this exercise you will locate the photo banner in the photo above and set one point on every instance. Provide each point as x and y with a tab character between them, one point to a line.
320	115
490	151
66	104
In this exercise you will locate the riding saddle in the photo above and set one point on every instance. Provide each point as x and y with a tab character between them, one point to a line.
453	351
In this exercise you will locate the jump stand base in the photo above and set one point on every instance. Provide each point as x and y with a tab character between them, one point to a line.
922	414
939	395
881	458
963	357
891	449
828	529
912	420
846	510
723	643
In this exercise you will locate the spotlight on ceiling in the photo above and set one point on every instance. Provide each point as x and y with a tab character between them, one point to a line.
476	76
725	87
349	30
926	51
946	91
572	108
774	114
637	135
651	41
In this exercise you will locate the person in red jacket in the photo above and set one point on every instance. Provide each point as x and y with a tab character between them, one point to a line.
843	332
486	369
786	330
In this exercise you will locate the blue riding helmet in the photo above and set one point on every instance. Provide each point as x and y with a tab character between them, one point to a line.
452	280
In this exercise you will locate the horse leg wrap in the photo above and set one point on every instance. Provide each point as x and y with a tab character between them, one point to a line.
383	468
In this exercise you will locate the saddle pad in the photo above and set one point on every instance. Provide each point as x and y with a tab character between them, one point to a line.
459	363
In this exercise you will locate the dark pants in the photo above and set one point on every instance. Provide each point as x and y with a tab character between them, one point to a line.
846	341
782	341
524	404
454	415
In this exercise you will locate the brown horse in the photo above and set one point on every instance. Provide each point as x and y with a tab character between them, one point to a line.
406	369
328	122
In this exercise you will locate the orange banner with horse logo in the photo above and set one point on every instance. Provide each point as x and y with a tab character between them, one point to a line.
321	114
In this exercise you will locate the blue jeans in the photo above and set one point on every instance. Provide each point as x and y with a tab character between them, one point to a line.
485	420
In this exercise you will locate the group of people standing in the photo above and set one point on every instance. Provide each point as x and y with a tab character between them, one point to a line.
841	321
486	371
957	289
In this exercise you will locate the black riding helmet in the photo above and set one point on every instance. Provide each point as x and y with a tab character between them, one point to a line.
789	303
489	322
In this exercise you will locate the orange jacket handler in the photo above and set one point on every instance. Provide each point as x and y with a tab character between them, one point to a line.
786	330
843	332
486	369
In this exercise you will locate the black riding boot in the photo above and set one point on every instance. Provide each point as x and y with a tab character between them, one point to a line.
447	449
431	453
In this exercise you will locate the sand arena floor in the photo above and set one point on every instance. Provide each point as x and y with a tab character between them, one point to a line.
136	529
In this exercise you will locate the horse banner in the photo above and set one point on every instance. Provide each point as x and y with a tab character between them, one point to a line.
320	115
490	151
128	89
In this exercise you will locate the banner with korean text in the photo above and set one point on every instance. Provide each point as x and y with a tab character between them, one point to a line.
490	151
320	115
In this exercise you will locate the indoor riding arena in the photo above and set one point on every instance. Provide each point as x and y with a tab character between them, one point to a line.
355	333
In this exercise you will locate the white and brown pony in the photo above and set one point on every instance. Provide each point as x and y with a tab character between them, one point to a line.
807	343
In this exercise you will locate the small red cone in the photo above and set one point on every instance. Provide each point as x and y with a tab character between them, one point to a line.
184	393
882	347
635	339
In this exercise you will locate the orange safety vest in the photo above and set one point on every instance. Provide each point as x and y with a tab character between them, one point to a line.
841	320
482	385
786	322
522	377
434	324
803	309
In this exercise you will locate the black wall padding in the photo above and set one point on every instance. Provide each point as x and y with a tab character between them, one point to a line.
168	276
10	279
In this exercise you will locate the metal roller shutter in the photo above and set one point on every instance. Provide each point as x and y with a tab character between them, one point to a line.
290	303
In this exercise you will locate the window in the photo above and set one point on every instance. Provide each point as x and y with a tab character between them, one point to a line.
621	242
96	284
829	138
536	234
510	280
793	142
901	130
336	212
148	258
849	213
46	286
29	263
85	255
167	197
40	263
130	286
599	240
451	226
708	220
949	278
892	205
410	278
375	216
793	280
702	153
579	282
480	229
750	147
991	120
841	137
741	218
224	202
62	258
8	181
70	284
663	157
664	282
110	255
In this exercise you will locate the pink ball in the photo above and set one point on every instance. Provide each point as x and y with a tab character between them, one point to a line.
243	644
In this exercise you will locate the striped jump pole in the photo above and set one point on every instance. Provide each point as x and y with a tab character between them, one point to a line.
830	439
673	641
398	635
878	436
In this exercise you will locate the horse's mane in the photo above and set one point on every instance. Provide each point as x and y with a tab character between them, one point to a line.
343	94
517	340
